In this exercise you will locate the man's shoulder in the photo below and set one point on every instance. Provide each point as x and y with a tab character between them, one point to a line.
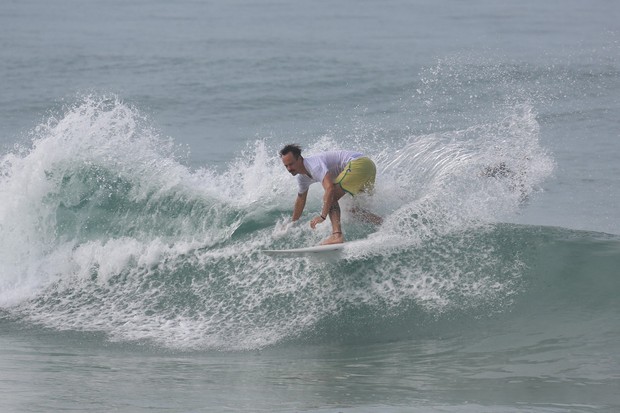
317	157
303	183
315	163
302	178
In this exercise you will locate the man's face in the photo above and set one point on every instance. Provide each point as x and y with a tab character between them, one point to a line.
291	163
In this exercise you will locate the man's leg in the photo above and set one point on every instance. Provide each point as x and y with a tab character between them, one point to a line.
360	177
334	216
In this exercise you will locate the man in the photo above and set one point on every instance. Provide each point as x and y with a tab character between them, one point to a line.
339	172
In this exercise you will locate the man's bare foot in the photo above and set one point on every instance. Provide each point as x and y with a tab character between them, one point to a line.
335	238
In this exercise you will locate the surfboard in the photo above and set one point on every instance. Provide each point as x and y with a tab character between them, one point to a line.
316	251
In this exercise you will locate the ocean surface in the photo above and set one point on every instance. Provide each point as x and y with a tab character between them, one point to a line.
139	182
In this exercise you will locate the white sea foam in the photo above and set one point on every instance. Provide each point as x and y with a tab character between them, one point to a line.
105	229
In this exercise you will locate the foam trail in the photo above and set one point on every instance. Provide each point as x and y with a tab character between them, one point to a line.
441	183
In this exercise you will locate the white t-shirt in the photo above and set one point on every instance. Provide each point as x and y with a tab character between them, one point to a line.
319	165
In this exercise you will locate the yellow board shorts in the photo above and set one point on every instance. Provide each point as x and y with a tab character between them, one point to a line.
358	176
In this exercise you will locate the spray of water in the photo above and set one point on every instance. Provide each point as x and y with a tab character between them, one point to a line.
104	228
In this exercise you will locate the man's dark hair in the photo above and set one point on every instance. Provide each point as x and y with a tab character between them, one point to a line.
292	148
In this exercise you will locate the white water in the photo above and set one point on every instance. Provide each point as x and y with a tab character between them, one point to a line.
115	233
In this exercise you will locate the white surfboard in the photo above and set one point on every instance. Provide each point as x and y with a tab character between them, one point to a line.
316	251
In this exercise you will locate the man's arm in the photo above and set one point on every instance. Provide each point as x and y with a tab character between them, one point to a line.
300	203
328	200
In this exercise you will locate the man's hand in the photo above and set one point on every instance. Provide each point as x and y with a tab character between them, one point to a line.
300	203
315	221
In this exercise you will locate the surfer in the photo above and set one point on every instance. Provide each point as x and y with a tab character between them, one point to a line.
340	172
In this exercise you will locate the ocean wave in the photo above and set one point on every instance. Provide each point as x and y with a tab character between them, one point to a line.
105	229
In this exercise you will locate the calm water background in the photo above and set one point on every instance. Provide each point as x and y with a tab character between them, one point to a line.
140	179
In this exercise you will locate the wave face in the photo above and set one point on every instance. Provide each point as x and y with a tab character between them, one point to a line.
105	229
